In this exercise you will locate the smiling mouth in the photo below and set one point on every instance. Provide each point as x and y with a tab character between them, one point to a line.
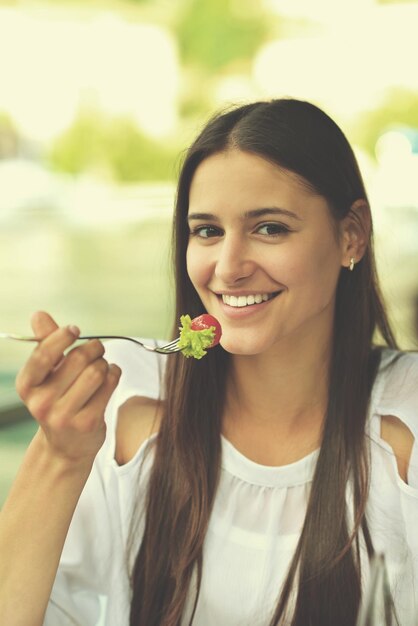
241	301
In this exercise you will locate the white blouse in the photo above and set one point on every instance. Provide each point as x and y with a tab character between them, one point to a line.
255	524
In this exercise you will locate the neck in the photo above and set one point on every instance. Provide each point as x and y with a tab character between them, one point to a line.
283	389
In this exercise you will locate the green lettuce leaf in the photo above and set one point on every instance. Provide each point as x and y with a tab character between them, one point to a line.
194	342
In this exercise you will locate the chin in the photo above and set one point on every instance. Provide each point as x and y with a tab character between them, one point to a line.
243	348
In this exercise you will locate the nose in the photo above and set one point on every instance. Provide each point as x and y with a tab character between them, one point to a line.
234	262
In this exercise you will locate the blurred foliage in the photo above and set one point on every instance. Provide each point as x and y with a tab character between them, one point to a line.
8	137
197	99
114	147
216	33
396	1
211	37
399	108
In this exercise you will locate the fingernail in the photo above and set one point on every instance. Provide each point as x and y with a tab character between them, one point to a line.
74	330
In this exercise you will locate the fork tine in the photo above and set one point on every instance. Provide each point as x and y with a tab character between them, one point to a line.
172	344
169	348
173	348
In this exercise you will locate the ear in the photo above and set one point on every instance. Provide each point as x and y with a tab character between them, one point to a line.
355	232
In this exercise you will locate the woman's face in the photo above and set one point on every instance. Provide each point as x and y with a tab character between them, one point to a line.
263	252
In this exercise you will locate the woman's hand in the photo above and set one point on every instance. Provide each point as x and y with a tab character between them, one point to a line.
67	394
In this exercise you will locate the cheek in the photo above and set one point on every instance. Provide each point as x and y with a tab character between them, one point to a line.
197	265
316	269
323	274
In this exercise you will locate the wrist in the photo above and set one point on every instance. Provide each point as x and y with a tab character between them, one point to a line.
53	460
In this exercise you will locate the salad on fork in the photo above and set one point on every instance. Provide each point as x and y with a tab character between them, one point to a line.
196	337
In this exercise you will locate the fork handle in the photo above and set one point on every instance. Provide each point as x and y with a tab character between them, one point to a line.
83	337
111	337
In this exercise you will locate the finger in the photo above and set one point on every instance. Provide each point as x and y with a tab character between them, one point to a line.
43	324
92	413
41	399
47	354
74	363
85	386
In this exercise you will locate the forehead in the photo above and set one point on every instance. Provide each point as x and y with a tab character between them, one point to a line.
240	178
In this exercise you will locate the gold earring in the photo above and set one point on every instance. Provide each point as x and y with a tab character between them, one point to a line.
351	267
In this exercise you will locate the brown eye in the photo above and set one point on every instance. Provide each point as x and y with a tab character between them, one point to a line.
272	228
206	232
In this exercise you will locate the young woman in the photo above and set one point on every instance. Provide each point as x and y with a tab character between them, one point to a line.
251	487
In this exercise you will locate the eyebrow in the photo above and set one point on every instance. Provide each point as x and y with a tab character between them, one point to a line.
253	213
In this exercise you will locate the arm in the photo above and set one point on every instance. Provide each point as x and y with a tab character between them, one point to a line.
33	526
67	395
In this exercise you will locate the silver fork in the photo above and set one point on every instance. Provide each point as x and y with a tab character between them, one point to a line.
169	348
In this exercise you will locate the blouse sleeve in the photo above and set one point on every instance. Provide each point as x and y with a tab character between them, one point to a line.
400	399
94	546
80	585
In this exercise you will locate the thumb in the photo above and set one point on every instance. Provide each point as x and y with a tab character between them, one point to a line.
43	324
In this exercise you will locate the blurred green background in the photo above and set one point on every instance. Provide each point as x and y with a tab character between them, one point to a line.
98	100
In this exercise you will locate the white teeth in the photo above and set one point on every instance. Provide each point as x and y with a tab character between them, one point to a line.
241	301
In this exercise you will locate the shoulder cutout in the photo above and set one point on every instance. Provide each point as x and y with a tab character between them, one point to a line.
138	419
400	439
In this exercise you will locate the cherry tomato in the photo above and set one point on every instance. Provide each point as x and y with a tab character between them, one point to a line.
206	321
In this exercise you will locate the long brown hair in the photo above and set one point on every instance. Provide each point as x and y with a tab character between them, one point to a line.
326	568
